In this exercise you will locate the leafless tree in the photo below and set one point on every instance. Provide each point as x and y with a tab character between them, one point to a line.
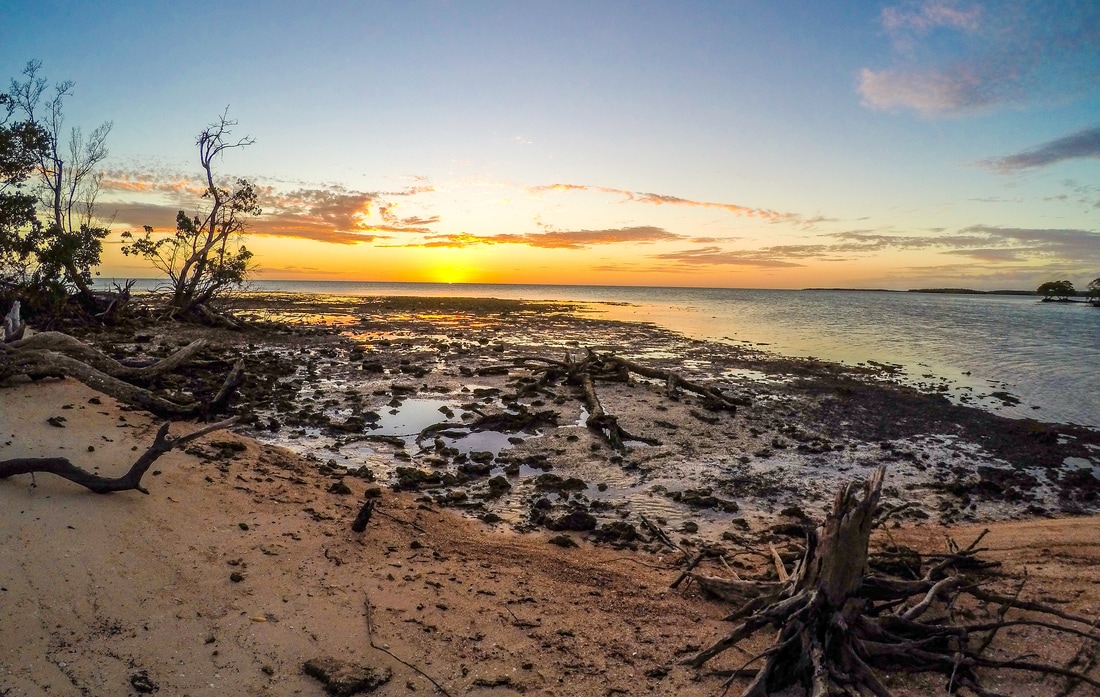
205	256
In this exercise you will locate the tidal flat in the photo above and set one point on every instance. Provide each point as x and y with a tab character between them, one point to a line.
452	398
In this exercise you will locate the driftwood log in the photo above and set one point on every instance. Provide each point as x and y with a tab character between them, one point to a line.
65	469
838	623
593	367
54	354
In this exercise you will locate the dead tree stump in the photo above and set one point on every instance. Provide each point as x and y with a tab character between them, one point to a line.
838	622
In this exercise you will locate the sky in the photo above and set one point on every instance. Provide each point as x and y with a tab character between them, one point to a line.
744	143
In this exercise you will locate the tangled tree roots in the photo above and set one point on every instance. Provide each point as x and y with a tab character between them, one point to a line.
838	623
54	354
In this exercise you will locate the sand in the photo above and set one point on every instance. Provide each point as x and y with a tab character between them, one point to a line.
102	595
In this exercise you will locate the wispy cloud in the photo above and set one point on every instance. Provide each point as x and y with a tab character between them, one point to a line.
923	17
954	58
716	256
1063	244
983	243
1082	144
933	92
553	239
667	200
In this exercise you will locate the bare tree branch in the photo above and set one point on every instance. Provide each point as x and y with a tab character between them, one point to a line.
65	469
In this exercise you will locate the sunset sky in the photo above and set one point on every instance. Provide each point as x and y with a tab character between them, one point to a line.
745	143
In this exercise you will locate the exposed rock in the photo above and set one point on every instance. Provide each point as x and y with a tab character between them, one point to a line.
339	487
580	521
553	482
498	485
141	683
616	531
411	479
344	678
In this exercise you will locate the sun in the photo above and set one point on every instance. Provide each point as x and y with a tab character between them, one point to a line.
451	274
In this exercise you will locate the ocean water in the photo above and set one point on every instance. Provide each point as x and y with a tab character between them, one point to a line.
1045	354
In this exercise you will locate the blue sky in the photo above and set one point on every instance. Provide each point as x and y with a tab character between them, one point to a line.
777	144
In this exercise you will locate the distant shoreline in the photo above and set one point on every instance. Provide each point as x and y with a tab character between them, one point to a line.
940	291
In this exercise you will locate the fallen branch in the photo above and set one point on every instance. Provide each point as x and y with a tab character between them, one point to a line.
65	469
585	373
675	381
40	364
391	654
78	350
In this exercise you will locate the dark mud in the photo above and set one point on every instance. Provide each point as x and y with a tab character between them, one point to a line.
436	395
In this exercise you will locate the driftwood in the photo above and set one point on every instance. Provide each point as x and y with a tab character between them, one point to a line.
54	354
65	469
362	519
94	358
585	373
839	623
13	326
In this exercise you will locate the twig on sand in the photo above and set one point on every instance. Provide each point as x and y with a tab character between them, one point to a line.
370	640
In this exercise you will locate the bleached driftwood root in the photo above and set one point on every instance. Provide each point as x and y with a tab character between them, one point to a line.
838	624
54	354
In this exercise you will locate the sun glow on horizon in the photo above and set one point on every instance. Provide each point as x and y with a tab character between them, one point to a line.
451	274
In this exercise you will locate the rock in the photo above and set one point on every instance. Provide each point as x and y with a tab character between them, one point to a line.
411	479
562	541
476	469
580	521
616	531
498	485
140	682
344	678
705	418
339	487
499	681
795	512
702	498
362	472
552	482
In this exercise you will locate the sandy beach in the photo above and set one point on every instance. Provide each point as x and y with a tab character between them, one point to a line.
240	566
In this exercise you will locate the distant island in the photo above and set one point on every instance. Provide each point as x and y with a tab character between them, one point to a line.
971	291
951	291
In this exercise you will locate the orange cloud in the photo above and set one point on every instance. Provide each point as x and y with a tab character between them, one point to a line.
554	239
716	256
331	214
117	180
665	199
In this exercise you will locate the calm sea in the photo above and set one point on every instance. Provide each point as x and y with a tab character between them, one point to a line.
1046	354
